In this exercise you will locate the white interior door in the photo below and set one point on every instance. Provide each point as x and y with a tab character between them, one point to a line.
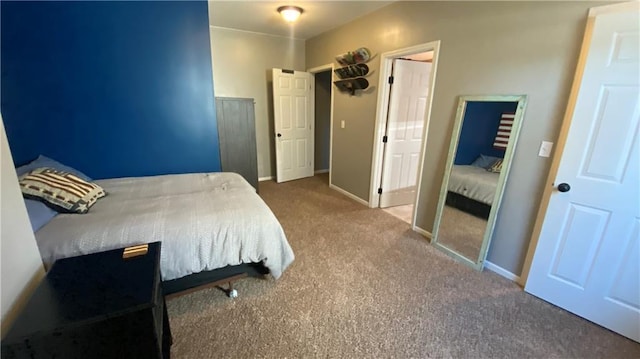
587	259
294	124
407	106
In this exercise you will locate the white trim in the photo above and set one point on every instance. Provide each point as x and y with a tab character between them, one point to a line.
386	61
422	231
255	33
315	70
270	178
321	68
427	122
350	195
501	271
613	8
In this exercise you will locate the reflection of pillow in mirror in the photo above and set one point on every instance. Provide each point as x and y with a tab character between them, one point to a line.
497	167
485	161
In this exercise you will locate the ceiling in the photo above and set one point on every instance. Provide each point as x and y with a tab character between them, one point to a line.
262	17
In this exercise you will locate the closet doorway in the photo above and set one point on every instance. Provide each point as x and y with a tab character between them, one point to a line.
407	77
323	114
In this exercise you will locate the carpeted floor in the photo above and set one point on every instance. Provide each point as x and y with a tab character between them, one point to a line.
461	232
363	285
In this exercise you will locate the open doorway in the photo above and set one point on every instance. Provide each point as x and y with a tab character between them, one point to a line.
403	138
322	123
407	77
323	114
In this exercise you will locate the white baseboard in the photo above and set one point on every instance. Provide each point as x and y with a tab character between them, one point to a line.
350	195
269	178
501	271
424	232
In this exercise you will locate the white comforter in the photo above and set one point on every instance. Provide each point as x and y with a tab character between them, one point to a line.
474	182
204	221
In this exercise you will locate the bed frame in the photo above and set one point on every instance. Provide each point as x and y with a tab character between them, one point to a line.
214	278
468	205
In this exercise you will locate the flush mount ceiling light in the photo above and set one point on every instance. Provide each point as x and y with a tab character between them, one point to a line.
290	13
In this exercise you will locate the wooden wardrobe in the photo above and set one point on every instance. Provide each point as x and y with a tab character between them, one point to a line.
237	137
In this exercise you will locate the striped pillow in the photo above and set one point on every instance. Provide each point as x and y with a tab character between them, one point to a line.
496	167
60	190
504	131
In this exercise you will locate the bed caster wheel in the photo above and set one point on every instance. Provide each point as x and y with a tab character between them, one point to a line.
233	293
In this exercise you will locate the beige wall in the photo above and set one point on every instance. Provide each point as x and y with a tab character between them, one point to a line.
526	48
242	63
21	266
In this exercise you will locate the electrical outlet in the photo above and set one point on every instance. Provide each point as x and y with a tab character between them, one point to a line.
545	149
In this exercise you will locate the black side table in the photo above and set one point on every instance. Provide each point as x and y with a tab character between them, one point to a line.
95	306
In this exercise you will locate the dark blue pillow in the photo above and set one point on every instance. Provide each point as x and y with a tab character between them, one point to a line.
485	161
39	213
43	161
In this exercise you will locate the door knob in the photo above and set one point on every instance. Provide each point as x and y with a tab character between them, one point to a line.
279	135
564	187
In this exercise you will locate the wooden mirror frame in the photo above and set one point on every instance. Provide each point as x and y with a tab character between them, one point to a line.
478	264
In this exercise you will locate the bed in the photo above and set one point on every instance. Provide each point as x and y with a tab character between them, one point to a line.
211	225
472	189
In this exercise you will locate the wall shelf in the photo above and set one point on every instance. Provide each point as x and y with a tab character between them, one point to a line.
354	68
352	84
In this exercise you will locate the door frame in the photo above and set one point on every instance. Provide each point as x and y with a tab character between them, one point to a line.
402	119
564	132
314	71
386	65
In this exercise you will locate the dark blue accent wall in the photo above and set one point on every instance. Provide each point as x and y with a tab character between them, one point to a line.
479	130
112	88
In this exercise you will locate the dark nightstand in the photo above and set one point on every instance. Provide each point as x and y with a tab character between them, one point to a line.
95	306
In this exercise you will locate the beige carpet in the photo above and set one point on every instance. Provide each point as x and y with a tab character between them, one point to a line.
363	285
461	232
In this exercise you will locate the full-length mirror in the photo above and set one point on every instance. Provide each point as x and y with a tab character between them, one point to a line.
482	144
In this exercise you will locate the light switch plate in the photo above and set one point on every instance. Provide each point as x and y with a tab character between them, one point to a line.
342	124
545	149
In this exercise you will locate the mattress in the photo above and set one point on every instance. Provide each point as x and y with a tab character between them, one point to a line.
205	221
474	182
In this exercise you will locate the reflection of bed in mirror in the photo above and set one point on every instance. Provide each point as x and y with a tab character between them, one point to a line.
472	189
